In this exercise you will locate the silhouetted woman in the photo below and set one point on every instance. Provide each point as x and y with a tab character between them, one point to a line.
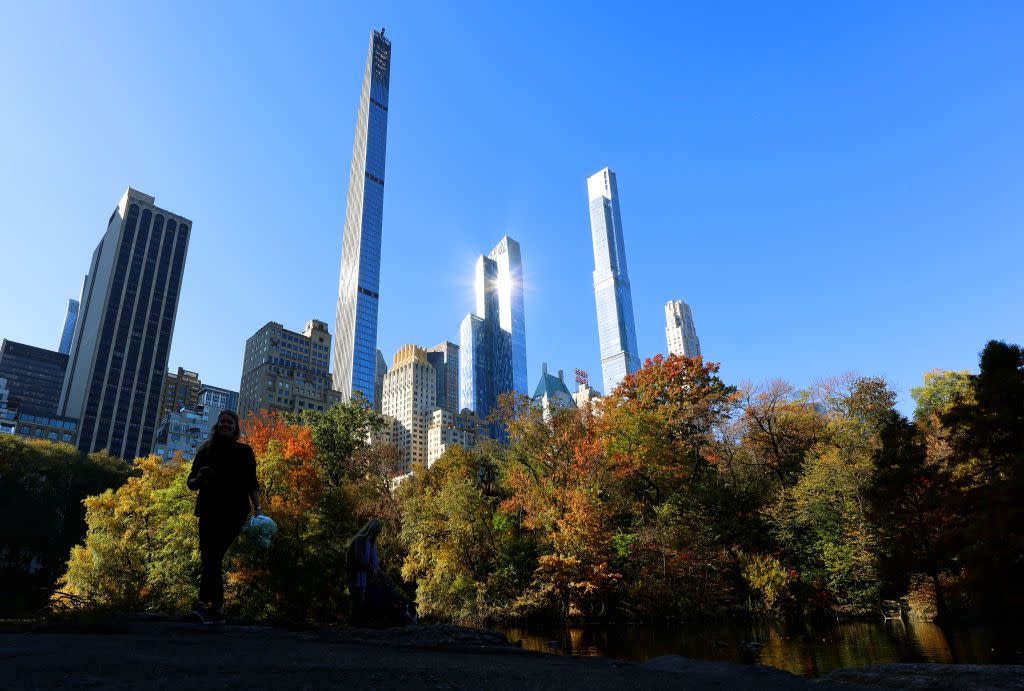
224	472
362	564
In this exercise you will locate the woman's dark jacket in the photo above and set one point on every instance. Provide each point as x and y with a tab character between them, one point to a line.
226	494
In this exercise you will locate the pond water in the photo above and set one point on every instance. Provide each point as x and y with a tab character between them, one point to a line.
802	649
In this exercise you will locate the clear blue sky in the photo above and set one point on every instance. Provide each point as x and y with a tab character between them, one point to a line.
832	187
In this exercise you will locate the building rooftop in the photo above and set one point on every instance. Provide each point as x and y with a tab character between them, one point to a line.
550	385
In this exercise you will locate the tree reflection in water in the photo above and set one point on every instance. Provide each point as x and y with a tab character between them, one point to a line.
803	649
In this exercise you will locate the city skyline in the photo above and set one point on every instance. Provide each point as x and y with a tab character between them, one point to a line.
717	196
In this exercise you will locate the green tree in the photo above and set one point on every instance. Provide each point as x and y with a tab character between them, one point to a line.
822	521
986	438
338	433
941	391
456	542
911	512
42	485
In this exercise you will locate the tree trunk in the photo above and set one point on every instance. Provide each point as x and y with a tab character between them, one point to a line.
941	611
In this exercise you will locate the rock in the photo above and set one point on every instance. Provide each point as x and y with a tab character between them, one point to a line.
707	674
928	676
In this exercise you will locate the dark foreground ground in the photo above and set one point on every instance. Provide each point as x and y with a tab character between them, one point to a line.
136	652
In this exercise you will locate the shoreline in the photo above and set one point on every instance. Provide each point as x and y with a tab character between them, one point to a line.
132	652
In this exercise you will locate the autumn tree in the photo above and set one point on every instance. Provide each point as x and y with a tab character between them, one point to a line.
142	549
779	427
555	473
660	433
459	547
822	522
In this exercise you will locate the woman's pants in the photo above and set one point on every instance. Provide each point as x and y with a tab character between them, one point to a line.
216	535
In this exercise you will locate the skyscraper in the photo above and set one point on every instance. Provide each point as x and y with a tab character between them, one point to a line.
679	329
286	371
512	315
355	337
485	350
444	358
611	282
409	398
180	389
69	327
378	380
34	376
118	359
215	400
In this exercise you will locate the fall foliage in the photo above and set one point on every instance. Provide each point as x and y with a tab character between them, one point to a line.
677	495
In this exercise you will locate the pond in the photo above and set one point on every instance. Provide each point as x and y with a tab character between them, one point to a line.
807	650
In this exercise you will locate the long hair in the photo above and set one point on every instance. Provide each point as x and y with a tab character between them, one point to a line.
213	429
369	531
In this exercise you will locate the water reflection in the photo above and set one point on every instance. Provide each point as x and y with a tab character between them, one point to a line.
804	649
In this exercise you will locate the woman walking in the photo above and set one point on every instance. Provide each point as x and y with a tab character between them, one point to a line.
224	473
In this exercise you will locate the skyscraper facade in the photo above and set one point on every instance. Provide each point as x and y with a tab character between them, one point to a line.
34	376
69	327
511	312
611	282
118	357
444	358
679	329
286	371
355	342
215	400
445	429
182	432
409	398
378	380
485	349
180	389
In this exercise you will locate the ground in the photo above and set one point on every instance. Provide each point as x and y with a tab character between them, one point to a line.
140	652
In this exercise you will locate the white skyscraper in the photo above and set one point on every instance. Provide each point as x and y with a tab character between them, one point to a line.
410	395
679	329
611	282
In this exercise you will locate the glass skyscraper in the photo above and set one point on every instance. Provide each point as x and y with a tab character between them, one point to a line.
486	361
34	376
355	340
118	358
509	261
611	282
69	327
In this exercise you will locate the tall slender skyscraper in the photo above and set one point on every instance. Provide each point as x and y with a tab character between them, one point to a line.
69	327
611	282
355	338
118	358
680	332
511	313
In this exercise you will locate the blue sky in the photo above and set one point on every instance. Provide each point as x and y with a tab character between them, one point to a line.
833	187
